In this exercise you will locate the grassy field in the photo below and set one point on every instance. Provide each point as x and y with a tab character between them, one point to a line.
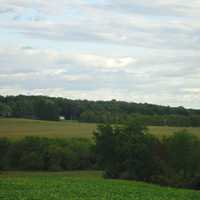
82	186
18	128
161	131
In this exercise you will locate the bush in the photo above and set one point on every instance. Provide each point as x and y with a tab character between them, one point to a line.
126	151
27	154
4	146
55	155
183	157
129	152
34	153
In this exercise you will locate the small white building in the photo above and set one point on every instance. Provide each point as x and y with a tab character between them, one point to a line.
61	118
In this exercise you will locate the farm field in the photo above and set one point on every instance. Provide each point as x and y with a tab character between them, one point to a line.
79	185
161	131
19	128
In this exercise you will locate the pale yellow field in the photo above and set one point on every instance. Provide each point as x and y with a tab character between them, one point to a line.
19	128
161	131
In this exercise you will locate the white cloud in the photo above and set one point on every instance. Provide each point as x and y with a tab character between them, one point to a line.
111	22
131	50
54	62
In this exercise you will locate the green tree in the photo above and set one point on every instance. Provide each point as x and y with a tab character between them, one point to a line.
4	146
5	110
183	156
46	109
125	151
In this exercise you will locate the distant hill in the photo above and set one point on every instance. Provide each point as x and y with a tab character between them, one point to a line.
51	108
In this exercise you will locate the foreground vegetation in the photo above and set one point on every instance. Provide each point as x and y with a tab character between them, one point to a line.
34	153
18	128
130	152
127	151
82	186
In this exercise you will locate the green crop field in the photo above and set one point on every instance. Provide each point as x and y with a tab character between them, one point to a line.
18	128
82	186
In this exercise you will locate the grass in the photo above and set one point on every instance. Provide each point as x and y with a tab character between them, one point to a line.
82	186
161	131
19	128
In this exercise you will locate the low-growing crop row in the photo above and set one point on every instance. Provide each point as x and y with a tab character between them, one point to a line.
82	186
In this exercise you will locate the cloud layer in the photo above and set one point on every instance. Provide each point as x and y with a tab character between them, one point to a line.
136	51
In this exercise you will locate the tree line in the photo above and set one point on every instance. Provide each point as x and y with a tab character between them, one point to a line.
127	151
49	108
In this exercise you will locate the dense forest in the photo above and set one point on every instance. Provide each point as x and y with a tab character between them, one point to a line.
49	108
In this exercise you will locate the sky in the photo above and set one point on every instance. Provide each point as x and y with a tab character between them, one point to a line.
135	51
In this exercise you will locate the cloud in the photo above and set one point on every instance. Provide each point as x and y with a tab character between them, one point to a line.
141	78
115	22
35	68
146	51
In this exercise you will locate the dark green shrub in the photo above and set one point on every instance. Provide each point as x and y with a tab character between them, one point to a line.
183	157
27	154
126	151
129	152
34	153
82	153
55	155
4	146
31	161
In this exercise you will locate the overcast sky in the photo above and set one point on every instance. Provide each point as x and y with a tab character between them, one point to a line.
141	51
